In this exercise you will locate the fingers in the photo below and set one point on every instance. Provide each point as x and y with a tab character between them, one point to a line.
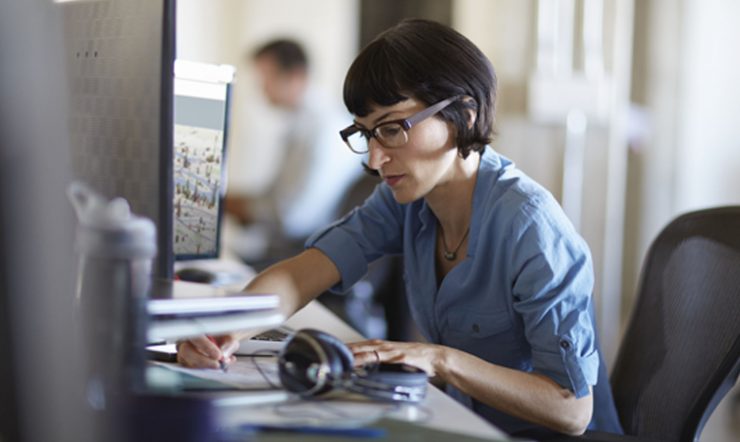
229	345
376	351
189	356
206	347
364	346
367	357
205	352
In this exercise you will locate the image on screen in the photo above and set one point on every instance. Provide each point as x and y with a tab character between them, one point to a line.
200	122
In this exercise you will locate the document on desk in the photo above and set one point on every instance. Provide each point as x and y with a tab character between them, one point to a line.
244	374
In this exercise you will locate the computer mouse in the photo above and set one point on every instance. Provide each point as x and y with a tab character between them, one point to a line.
194	274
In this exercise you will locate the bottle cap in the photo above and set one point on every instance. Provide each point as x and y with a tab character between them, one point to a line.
108	228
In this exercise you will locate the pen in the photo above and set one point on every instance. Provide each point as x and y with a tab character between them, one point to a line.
367	432
221	362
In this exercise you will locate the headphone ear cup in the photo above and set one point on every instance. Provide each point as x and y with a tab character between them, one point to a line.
296	363
342	360
313	362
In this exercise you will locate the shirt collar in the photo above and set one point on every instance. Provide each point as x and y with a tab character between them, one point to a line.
488	168
426	217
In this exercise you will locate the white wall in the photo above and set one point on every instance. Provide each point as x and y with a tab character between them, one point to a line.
708	148
227	31
501	29
691	155
207	30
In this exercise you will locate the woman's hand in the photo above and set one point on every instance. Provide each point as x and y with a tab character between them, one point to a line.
428	357
205	352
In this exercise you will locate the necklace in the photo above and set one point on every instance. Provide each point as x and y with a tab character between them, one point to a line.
452	255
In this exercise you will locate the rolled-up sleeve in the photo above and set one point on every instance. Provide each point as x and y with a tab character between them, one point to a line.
362	236
552	286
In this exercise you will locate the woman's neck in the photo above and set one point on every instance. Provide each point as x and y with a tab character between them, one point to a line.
452	200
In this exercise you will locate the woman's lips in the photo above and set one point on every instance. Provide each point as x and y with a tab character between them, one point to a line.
392	180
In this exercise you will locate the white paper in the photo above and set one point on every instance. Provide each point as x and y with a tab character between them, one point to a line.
242	374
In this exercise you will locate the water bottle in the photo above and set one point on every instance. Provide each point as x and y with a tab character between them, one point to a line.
115	251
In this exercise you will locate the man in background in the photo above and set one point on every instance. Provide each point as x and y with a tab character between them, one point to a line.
316	171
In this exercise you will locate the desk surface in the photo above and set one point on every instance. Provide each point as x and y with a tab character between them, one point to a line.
438	411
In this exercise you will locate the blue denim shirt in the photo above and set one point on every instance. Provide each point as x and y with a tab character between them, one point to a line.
521	298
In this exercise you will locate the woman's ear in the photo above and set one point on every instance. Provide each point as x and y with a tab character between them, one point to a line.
471	110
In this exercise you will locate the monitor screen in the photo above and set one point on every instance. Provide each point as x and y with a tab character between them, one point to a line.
201	112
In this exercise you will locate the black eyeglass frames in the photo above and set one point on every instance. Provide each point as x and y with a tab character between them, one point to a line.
389	133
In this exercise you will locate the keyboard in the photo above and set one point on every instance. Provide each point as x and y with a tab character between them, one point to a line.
266	343
275	334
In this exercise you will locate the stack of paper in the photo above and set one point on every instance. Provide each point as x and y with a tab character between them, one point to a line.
181	318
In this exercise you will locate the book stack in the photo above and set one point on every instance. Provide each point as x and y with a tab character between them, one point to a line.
183	317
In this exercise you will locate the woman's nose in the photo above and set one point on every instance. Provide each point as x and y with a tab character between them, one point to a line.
377	155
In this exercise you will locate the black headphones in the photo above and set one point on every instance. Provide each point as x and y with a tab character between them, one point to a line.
312	363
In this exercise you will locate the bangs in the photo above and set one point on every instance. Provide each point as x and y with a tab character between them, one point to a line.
375	78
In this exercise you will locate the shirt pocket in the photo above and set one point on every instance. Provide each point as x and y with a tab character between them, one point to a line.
478	325
488	335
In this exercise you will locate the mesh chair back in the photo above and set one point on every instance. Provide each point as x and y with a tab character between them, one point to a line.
680	353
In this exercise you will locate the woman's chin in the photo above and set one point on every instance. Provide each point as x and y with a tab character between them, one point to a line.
404	196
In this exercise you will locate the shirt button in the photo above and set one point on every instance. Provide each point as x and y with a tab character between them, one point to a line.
565	345
476	328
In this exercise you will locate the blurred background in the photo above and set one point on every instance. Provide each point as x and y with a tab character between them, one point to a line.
627	111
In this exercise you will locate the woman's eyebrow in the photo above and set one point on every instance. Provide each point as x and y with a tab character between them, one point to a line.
375	121
378	119
383	117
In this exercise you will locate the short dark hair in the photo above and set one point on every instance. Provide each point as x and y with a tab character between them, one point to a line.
288	54
431	62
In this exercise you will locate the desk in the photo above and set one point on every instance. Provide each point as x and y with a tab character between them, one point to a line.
446	413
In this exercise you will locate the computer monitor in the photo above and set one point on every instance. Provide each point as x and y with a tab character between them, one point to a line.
202	95
120	57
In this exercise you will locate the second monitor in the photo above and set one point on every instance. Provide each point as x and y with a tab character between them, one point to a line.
201	114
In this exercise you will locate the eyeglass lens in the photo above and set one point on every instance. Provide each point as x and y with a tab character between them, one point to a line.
389	135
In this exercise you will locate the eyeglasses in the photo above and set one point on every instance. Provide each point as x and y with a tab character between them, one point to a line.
390	133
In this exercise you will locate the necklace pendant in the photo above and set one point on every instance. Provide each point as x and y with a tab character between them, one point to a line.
451	256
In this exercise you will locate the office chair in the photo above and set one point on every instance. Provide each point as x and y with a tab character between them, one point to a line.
681	351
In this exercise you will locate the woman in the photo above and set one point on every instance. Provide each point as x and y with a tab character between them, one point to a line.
498	281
